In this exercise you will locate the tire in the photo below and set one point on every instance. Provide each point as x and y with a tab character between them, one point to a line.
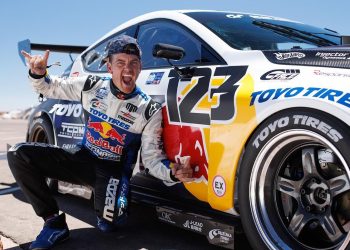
41	131
294	182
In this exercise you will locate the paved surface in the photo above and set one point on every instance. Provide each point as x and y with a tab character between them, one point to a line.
19	225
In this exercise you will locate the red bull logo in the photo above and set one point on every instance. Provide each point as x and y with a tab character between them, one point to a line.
106	131
96	126
186	140
114	135
104	144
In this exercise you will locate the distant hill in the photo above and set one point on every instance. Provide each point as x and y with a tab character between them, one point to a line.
17	113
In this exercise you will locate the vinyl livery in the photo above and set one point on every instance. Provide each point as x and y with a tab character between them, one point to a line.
260	103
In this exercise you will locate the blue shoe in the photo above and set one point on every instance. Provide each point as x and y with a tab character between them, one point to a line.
105	226
55	230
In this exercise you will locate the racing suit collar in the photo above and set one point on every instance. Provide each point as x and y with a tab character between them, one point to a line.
121	95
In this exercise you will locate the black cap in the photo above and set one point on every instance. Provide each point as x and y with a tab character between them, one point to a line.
123	44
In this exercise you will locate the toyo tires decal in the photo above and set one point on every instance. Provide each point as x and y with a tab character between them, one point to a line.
300	120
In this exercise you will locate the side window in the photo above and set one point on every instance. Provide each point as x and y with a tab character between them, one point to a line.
171	33
93	59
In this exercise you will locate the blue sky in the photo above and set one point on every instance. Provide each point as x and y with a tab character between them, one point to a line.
82	22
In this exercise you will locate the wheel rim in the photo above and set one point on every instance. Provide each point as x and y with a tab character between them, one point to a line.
296	207
40	136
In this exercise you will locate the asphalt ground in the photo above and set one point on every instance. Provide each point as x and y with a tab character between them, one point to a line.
19	225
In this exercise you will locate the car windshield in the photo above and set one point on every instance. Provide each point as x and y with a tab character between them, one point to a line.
257	32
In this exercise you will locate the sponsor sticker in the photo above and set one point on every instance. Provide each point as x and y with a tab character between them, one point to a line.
303	120
234	16
122	200
106	131
331	74
69	146
131	107
67	109
104	144
333	55
284	56
72	130
261	17
219	185
101	153
154	78
92	79
105	140
108	211
75	74
216	232
101	93
125	119
331	95
98	104
224	237
151	108
109	119
167	217
193	225
280	74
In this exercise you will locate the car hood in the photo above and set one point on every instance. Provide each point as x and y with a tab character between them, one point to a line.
333	57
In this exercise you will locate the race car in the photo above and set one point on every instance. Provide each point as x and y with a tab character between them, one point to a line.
260	103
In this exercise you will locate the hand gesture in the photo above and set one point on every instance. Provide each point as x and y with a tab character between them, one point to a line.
183	172
37	63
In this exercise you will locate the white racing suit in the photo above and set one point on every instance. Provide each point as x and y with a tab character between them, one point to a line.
117	125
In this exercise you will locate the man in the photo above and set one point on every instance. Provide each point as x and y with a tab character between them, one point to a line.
109	148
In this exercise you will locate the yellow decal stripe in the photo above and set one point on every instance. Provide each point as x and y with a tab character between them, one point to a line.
226	145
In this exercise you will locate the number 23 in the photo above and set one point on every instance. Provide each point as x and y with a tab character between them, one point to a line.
182	111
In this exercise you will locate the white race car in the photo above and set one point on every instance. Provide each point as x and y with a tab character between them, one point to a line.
261	104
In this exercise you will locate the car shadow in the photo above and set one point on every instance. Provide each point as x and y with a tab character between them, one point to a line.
143	230
128	238
71	205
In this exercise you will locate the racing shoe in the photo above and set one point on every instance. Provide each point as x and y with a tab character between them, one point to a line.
55	230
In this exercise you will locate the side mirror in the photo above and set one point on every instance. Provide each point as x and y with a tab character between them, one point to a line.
172	52
168	51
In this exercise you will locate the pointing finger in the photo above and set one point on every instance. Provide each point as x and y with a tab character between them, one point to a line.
185	161
26	54
46	56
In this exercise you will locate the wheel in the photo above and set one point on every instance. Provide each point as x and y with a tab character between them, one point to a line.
41	131
296	171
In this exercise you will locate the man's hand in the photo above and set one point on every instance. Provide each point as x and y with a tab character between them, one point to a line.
183	172
37	63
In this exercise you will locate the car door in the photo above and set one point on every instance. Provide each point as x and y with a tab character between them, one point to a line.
185	101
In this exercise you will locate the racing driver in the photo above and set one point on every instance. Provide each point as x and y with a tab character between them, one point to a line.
120	119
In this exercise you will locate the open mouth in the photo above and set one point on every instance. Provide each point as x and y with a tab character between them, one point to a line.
127	78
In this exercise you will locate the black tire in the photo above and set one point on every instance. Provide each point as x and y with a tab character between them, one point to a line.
294	182
41	131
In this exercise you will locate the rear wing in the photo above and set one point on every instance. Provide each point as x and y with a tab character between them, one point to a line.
27	46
